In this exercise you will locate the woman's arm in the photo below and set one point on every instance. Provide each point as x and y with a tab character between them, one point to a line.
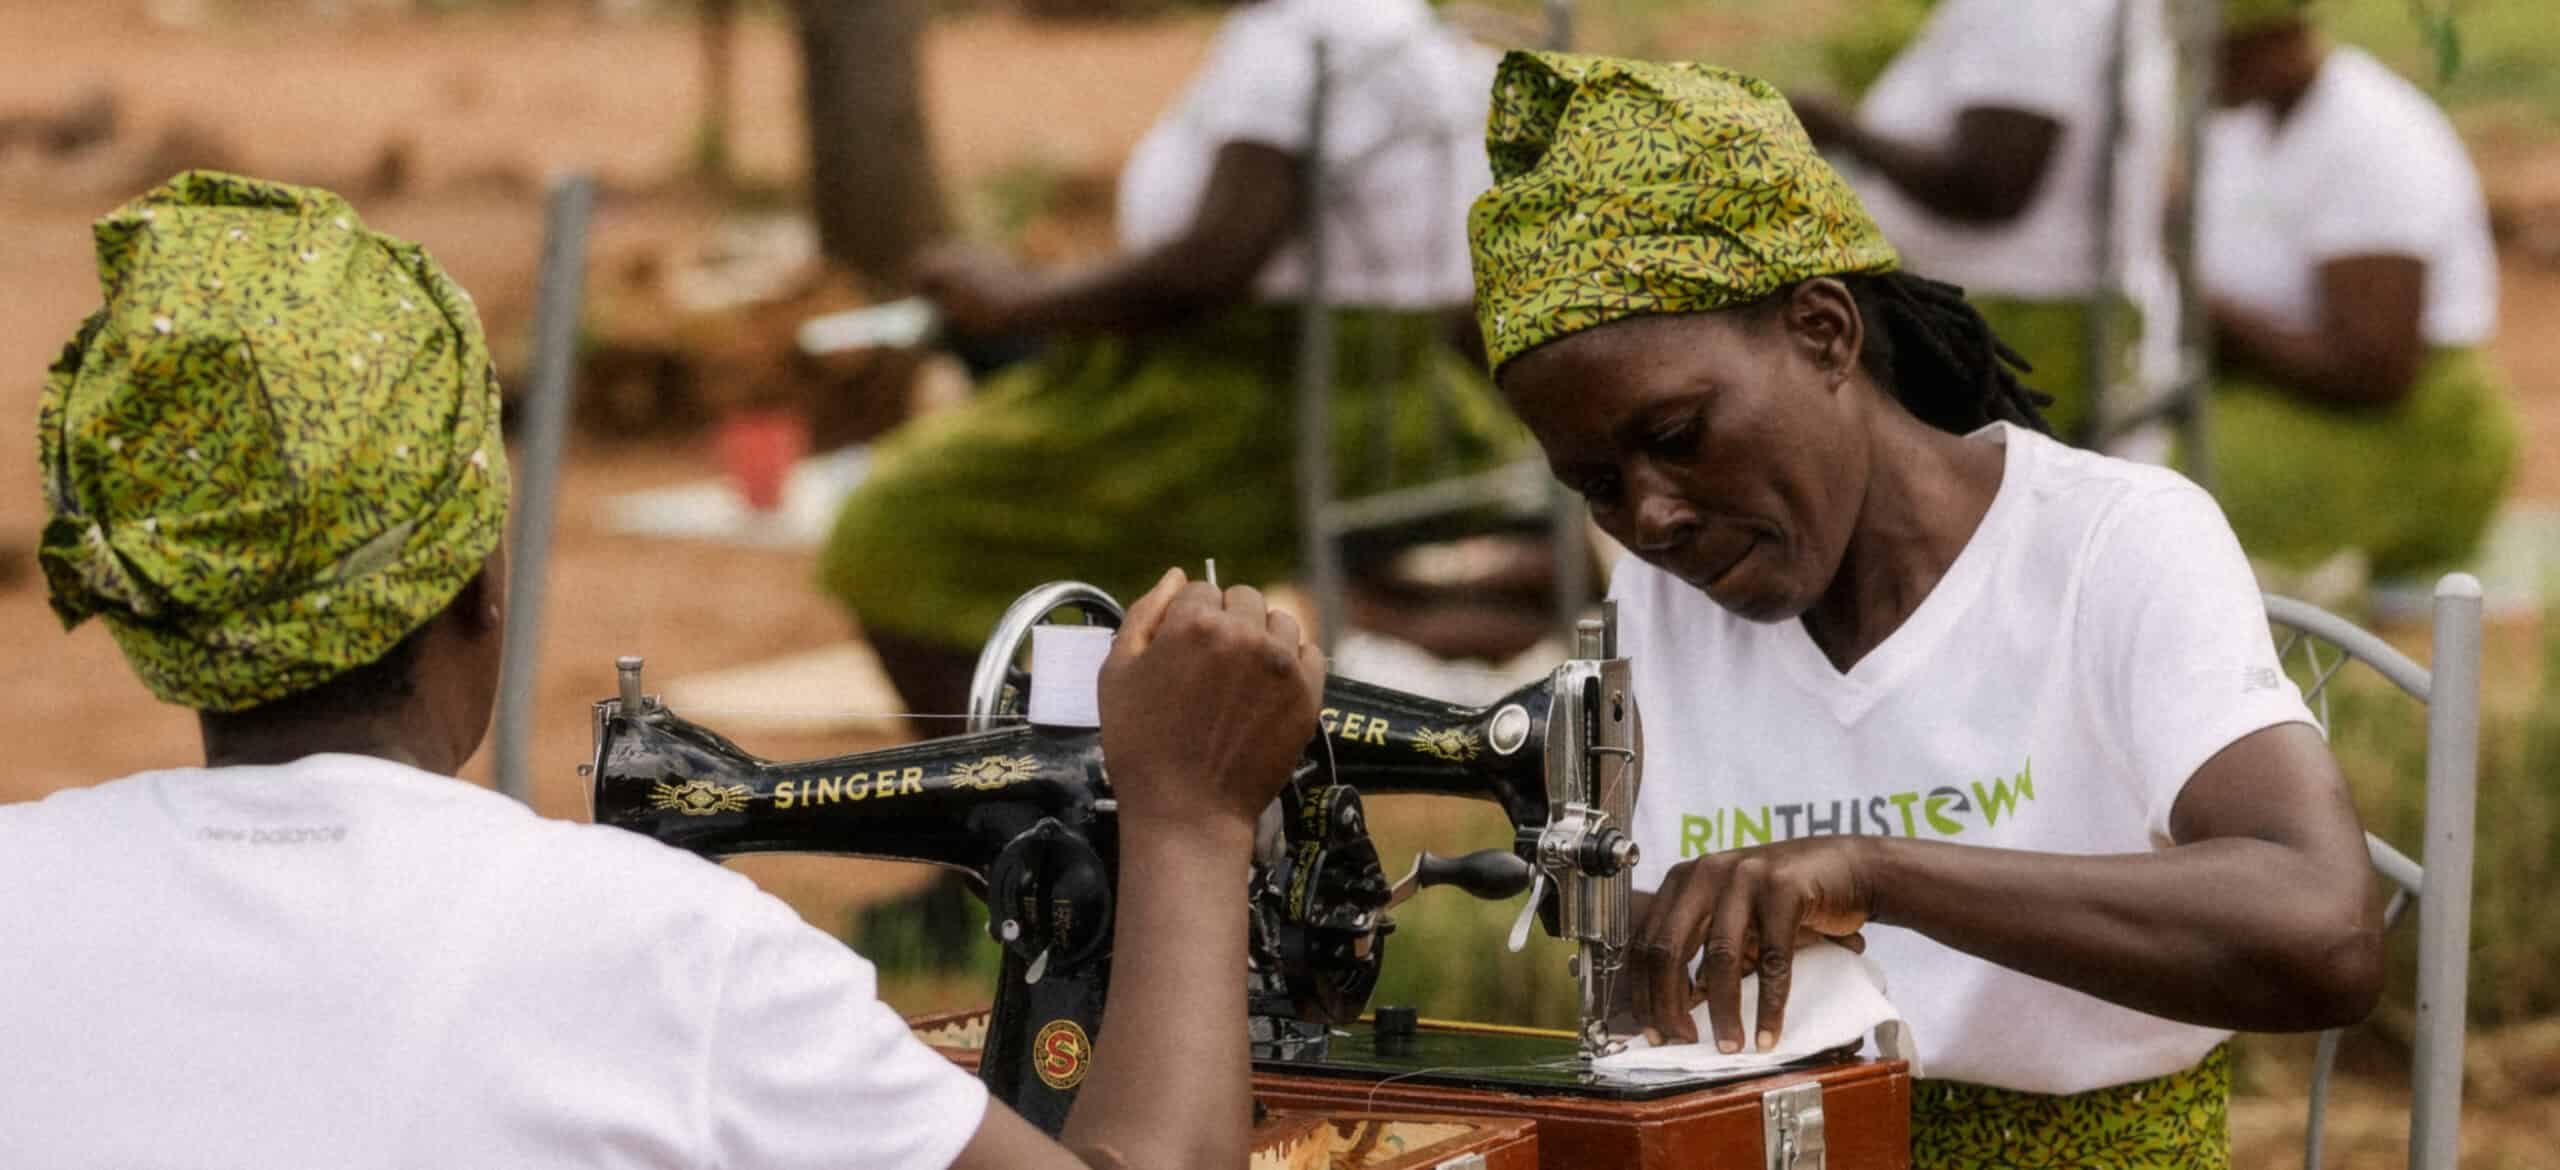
1985	175
2260	918
1251	206
2367	348
1207	699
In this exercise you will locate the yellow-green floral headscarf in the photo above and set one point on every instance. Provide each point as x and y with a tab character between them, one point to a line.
274	451
1626	188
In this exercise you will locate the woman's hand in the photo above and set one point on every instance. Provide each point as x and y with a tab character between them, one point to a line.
1207	700
1728	906
979	292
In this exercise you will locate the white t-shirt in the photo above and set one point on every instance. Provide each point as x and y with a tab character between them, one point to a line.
1403	144
2096	642
348	963
2047	58
2364	165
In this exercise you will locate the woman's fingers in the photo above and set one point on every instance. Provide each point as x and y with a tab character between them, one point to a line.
1661	983
1781	911
1727	940
1729	917
1138	626
1856	941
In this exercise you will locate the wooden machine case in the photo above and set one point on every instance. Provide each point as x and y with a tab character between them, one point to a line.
1866	1111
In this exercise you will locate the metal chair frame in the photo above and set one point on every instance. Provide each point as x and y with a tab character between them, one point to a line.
2441	888
1522	488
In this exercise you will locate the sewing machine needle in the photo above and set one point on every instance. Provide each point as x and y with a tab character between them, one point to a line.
1213	572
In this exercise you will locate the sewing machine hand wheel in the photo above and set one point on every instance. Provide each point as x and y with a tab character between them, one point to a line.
999	690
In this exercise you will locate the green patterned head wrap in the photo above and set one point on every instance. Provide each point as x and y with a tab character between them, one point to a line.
274	451
1627	188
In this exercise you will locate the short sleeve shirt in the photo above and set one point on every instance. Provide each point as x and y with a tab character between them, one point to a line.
2098	640
2049	58
345	962
1403	144
2364	165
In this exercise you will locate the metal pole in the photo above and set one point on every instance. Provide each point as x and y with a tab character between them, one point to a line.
2444	905
1564	509
537	466
1315	383
2198	31
2098	329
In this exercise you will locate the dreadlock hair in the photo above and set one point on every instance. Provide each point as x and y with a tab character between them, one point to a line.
1931	349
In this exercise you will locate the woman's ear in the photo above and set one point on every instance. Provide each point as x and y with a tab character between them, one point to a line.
1822	320
483	600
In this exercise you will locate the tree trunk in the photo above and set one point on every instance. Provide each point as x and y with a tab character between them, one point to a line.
870	166
711	135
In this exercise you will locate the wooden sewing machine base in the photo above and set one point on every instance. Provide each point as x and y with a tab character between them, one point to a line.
1449	1071
1585	1123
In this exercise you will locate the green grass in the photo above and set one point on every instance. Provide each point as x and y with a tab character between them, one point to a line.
2509	66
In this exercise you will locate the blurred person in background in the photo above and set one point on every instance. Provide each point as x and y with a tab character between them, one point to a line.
1158	426
2353	283
273	467
1981	150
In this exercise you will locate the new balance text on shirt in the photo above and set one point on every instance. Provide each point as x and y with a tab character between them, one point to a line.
275	834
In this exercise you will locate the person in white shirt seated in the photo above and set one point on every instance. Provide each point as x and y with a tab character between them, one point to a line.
1912	671
1159	425
1981	149
274	469
2345	248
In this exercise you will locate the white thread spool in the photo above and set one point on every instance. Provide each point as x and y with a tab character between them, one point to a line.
1066	674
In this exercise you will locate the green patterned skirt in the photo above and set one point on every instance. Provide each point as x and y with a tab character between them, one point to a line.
2176	1122
1112	458
2413	484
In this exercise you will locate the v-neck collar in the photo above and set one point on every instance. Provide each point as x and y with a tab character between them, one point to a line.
1855	691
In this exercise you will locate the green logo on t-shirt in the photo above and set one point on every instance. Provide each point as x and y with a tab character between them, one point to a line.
1944	811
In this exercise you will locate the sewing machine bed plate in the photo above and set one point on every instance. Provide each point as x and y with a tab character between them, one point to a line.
1866	1107
1499	1060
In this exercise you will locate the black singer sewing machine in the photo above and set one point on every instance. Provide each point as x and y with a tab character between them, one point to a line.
1028	810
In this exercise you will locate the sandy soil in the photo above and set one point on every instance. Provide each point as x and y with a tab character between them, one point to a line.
487	103
482	106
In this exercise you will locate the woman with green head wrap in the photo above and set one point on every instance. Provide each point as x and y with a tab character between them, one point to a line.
273	466
2004	711
274	470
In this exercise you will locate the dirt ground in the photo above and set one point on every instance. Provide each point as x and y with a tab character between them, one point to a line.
443	130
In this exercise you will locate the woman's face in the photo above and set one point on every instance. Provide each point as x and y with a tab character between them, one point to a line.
1724	448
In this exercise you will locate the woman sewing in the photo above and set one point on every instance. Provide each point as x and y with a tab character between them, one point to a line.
1159	426
1910	668
2345	247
